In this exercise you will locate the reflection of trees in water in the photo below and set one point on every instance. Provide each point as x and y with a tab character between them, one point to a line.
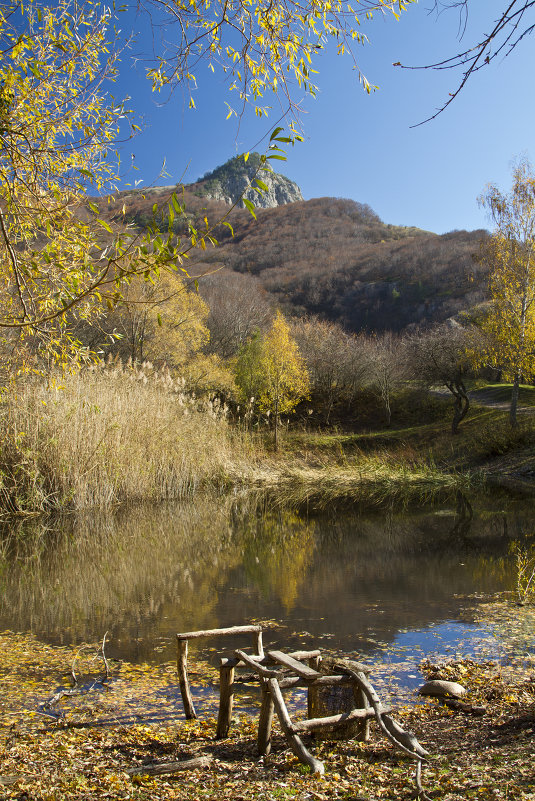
278	549
134	566
149	572
408	565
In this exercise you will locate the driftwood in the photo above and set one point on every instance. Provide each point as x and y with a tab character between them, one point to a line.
317	724
7	781
75	690
461	706
155	769
230	630
226	701
286	724
403	740
182	670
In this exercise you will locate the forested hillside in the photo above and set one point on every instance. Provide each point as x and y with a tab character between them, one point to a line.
334	258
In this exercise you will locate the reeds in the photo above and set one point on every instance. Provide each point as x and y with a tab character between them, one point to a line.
109	435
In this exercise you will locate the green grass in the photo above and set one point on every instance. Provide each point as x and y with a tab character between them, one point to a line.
501	393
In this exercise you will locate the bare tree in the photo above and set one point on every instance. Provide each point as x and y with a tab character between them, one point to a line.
238	307
386	367
439	357
335	361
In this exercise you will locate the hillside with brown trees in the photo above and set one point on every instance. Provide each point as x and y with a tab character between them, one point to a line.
330	257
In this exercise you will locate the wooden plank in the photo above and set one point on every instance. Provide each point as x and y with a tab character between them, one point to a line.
256	666
233	661
194	635
302	670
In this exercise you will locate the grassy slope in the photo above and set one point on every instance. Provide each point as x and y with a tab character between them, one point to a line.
412	461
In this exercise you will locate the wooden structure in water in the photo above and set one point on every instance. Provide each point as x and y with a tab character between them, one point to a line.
276	671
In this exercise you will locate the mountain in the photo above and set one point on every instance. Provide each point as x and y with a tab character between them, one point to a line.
327	256
236	178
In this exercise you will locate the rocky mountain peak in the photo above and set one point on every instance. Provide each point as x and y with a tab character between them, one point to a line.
235	179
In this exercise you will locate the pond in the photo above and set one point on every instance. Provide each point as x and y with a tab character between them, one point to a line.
348	580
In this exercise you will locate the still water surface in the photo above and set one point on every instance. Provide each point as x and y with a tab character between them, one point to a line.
344	579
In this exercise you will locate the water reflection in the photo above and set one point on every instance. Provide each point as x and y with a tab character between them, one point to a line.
343	578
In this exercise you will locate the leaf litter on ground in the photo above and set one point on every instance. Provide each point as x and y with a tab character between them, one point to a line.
84	753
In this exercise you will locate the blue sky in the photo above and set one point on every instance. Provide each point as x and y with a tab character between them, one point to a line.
363	146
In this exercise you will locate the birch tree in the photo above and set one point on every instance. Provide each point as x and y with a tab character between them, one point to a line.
285	377
510	254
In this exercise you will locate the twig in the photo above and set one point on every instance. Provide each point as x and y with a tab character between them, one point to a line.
103	653
54	699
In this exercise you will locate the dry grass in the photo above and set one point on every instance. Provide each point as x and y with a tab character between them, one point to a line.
370	479
108	435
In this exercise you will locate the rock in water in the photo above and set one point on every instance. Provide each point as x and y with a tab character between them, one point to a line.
442	689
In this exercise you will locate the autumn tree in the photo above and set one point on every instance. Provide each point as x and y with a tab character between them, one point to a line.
285	375
266	50
249	370
57	128
271	373
510	255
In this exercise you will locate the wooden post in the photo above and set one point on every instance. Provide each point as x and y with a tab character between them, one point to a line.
182	670
361	702
226	701
312	694
286	724
258	648
265	721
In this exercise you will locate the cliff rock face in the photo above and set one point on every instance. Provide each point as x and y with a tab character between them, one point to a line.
236	178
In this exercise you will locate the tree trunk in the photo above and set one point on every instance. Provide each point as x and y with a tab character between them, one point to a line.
276	426
514	401
461	404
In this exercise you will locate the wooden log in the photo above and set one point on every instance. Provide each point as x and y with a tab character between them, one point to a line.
332	721
258	648
155	769
226	701
265	722
339	664
286	724
323	681
312	694
404	737
182	670
405	741
194	635
295	666
256	666
265	660
362	733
